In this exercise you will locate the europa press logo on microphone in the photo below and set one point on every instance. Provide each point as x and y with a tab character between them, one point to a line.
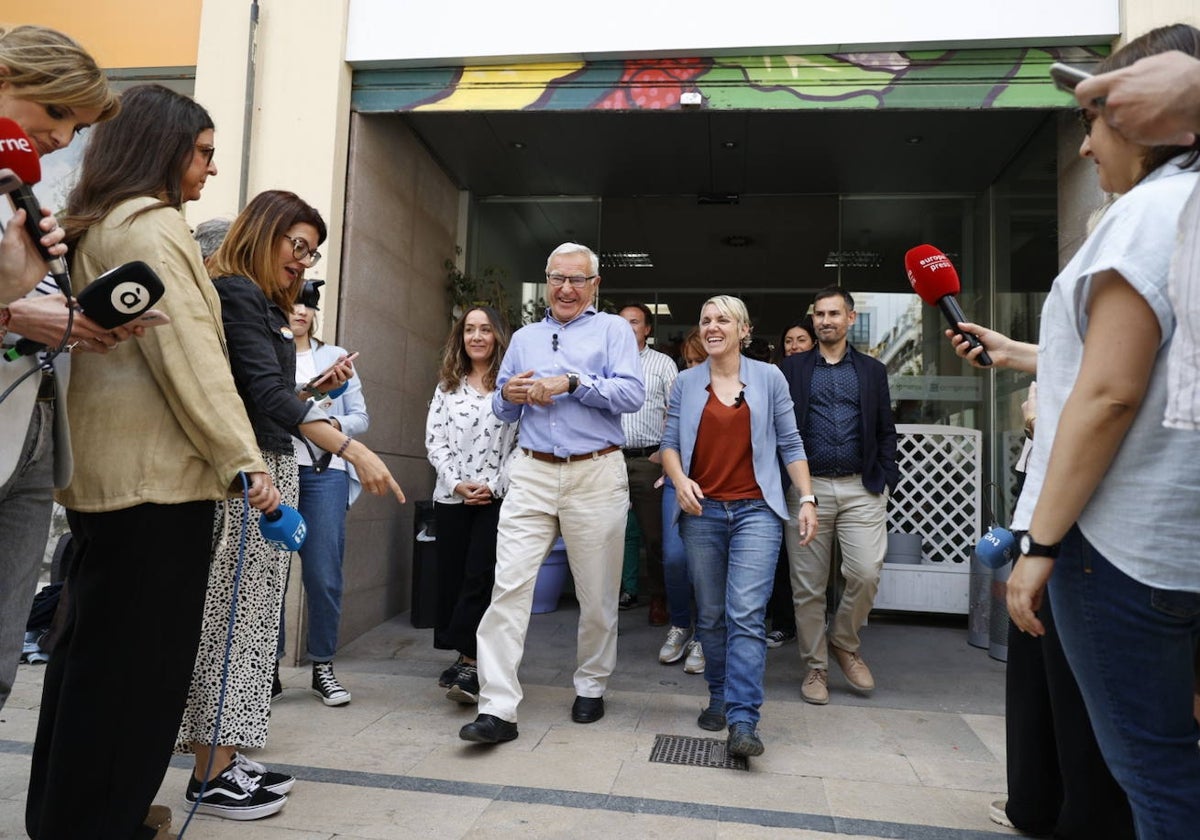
129	297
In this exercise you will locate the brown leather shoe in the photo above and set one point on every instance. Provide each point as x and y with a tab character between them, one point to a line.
815	688
856	671
658	611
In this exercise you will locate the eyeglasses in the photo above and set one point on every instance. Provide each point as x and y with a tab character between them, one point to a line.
1086	118
577	281
207	152
302	252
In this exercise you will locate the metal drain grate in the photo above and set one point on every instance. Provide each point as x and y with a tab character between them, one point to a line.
695	752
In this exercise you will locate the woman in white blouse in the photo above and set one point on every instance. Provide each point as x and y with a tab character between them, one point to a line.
470	449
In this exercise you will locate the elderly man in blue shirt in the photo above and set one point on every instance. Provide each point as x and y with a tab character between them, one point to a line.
568	378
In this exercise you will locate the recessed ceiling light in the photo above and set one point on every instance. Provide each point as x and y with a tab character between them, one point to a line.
737	241
625	259
729	145
518	145
913	140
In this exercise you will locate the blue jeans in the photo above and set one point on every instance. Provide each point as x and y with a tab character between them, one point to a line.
324	498
1131	647
731	549
675	569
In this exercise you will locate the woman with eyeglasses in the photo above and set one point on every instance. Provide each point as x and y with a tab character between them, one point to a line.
258	272
159	435
1108	510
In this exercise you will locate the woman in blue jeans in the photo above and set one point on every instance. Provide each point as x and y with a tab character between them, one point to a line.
328	486
729	424
675	565
1110	498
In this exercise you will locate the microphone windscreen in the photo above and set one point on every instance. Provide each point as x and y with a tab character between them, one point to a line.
17	153
121	294
996	547
931	273
284	527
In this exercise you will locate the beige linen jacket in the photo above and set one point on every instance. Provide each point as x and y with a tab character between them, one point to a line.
157	420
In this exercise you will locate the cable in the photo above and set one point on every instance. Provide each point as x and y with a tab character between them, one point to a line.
237	580
45	363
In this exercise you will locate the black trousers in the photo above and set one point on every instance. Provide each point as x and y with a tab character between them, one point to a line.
1058	783
780	609
466	572
116	685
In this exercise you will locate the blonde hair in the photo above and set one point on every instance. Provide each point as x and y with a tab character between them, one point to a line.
48	67
734	308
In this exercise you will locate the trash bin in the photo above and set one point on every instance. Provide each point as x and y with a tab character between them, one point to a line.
551	579
998	620
423	612
979	609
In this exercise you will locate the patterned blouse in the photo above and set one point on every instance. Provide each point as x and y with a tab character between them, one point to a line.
467	442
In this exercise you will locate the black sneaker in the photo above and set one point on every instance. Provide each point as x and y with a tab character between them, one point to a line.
234	796
326	686
272	781
627	601
465	688
447	677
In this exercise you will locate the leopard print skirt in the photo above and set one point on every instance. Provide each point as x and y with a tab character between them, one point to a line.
247	703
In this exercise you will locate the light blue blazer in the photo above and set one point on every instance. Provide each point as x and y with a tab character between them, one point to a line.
772	423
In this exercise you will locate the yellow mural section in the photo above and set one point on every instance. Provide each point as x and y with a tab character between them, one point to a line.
503	88
120	33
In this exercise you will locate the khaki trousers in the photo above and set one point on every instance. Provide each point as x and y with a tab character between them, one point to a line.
586	501
858	518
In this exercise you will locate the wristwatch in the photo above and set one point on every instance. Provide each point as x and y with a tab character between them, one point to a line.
1035	549
809	498
572	382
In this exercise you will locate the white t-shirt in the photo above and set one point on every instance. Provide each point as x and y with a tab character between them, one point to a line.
306	369
1145	515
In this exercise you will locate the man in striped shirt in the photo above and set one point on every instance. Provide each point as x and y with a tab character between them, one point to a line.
643	434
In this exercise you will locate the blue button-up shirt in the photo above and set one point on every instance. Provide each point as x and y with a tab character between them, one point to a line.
603	351
833	428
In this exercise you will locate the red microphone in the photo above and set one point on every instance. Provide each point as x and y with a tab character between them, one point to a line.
17	154
933	277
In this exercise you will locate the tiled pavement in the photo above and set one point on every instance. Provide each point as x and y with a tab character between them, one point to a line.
922	758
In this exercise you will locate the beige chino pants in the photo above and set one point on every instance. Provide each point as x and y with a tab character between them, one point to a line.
586	501
858	518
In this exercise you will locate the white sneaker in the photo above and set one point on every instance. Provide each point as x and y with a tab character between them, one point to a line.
998	815
675	646
694	664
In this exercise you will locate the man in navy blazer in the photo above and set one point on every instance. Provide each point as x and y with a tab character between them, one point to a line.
844	414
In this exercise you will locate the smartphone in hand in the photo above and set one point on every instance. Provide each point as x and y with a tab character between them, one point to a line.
151	318
313	386
1067	77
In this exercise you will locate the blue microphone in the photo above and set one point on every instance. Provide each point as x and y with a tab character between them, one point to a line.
997	547
284	527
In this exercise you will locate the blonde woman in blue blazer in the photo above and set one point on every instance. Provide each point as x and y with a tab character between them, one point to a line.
729	424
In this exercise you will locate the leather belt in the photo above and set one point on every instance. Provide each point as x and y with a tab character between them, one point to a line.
554	459
639	451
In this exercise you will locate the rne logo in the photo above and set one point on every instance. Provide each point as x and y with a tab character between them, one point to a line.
15	144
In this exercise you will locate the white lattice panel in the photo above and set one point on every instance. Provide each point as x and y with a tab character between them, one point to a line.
938	495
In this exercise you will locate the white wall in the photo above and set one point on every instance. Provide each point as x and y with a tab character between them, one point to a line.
387	32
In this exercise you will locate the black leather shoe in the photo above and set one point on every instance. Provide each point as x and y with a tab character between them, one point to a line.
587	709
488	729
